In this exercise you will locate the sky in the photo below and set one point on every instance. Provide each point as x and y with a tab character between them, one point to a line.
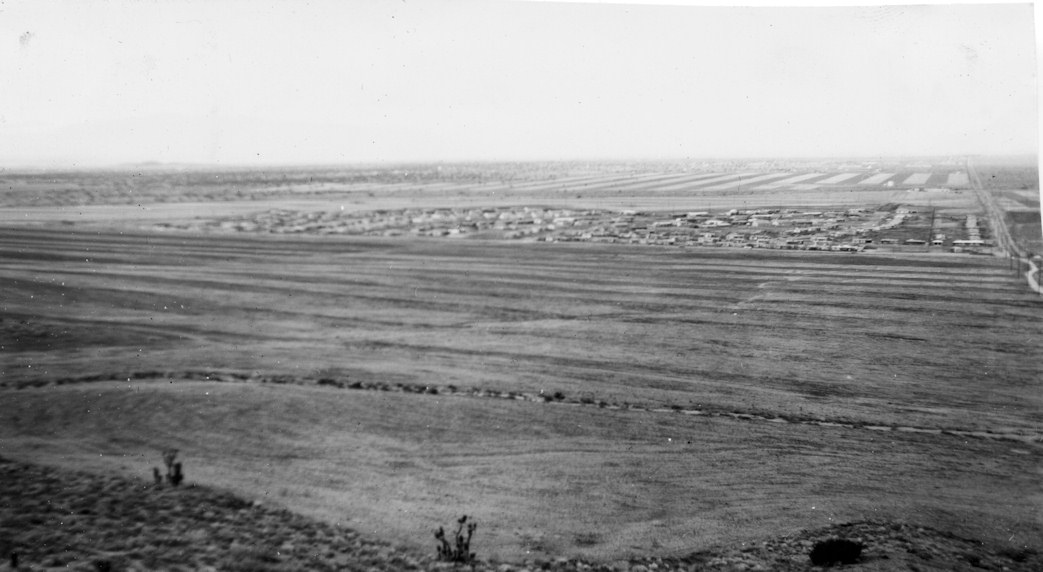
93	83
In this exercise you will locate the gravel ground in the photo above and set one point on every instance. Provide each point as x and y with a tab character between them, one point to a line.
64	520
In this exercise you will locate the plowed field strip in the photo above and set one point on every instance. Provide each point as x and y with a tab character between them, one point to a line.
917	179
548	186
658	183
743	182
691	184
717	179
790	181
837	178
958	179
876	179
960	287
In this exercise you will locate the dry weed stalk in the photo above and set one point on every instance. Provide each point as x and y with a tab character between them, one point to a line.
174	474
459	550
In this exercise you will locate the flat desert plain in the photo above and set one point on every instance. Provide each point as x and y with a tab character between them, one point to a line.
602	401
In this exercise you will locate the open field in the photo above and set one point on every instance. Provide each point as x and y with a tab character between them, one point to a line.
876	179
1026	229
862	360
543	480
581	400
917	179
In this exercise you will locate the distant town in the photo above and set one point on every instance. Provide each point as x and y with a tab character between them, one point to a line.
890	226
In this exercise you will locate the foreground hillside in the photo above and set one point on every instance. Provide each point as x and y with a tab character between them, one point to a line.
546	479
59	519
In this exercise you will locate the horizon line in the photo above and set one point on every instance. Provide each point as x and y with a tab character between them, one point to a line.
189	165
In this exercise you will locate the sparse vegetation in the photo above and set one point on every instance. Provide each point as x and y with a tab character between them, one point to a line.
833	551
174	475
796	359
253	537
458	547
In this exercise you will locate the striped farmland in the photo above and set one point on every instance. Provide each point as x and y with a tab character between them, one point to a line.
916	179
876	179
838	178
791	180
744	182
658	183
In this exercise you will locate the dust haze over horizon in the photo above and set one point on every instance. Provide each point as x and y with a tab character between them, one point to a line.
272	83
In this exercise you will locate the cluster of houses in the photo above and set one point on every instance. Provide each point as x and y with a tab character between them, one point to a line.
789	229
502	222
973	239
850	230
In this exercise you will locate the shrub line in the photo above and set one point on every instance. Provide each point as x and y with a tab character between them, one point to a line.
557	397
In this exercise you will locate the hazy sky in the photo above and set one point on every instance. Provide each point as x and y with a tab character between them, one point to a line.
90	82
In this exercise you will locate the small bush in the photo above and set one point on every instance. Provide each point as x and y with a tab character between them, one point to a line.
835	551
174	474
459	549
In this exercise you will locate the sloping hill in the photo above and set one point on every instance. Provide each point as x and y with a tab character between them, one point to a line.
60	519
546	480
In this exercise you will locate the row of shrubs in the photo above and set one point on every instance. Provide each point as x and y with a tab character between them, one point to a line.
344	383
403	387
286	379
418	388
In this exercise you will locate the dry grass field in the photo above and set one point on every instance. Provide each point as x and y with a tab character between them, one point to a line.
883	345
579	400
